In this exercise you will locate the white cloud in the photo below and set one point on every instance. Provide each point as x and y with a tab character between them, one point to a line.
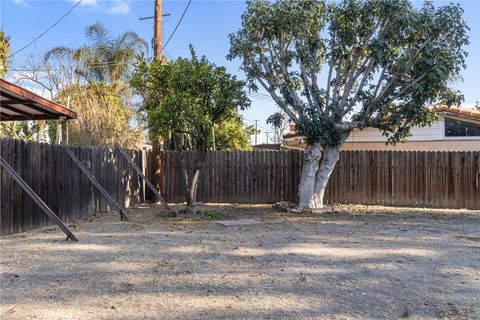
86	3
91	3
119	7
22	3
113	7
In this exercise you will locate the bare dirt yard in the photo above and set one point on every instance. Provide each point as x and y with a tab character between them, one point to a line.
356	263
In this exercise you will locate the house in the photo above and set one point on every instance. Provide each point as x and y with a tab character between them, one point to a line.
456	129
267	147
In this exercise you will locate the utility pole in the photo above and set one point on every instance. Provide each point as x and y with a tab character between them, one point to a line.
157	29
266	133
256	131
157	51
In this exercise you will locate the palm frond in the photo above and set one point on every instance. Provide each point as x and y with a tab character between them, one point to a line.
58	52
97	32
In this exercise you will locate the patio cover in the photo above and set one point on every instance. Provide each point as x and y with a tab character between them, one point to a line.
17	103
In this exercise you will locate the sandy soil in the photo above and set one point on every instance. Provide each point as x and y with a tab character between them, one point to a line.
358	263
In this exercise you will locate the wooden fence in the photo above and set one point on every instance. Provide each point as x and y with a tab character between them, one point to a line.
235	176
420	179
61	185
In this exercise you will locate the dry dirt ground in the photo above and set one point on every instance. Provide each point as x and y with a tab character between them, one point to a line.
357	263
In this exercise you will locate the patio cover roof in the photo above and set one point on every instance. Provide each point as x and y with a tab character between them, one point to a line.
17	103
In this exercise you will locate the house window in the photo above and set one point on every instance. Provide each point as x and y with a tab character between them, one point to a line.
457	128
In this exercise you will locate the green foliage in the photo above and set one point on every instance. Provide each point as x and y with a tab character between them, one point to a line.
477	105
104	58
103	119
276	120
231	134
385	62
23	130
4	49
213	215
279	122
189	97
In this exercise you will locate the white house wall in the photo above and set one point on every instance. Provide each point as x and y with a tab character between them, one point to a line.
435	132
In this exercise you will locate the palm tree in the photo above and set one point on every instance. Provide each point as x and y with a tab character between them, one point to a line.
104	59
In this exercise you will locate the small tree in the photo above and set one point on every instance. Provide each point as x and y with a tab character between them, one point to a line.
103	119
232	134
384	62
279	122
188	97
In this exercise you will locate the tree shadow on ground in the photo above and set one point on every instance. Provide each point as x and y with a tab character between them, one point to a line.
383	266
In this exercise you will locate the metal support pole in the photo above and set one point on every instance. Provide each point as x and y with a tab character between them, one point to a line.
97	184
37	200
140	173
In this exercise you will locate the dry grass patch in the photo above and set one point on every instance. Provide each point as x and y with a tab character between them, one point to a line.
356	263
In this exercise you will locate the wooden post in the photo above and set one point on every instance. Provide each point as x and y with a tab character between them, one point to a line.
139	172
97	184
63	123
37	200
156	163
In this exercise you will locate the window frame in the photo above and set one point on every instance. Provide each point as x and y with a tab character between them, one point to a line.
451	117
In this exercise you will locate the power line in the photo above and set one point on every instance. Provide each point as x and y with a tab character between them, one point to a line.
45	32
262	94
58	69
176	27
263	98
254	122
260	99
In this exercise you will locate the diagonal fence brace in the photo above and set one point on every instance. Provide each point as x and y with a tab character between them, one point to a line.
97	184
37	200
140	173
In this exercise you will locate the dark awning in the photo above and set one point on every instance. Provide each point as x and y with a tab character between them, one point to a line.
17	103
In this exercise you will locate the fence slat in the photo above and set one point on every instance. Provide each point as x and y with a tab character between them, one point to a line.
423	179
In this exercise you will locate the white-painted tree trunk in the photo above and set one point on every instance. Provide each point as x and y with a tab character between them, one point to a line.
311	161
329	160
194	186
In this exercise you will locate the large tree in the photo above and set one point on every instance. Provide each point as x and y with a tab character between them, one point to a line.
187	98
103	58
338	66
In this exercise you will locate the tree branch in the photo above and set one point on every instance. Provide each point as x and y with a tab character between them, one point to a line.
407	88
277	99
283	69
308	87
329	79
407	67
362	83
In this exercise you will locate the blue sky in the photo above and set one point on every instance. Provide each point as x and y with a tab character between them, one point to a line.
206	25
